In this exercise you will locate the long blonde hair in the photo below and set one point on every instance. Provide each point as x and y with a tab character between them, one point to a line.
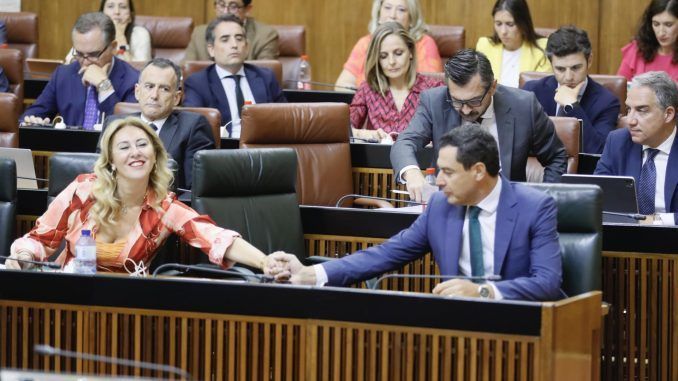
374	74
417	25
107	204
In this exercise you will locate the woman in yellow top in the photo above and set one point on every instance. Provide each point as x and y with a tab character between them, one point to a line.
515	46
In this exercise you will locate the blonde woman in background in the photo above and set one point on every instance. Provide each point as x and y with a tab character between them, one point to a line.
408	14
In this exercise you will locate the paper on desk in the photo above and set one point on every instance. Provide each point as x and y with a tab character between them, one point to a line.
10	5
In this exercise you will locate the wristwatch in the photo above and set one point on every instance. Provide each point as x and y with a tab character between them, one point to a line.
484	291
568	108
104	85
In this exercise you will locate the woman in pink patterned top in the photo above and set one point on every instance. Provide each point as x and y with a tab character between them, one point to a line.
408	14
655	47
385	103
127	206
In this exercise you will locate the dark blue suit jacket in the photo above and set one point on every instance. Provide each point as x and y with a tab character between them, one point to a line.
623	157
526	249
65	95
598	108
204	89
183	134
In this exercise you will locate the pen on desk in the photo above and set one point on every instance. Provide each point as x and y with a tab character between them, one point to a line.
399	191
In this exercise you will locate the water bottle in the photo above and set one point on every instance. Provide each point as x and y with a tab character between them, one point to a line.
85	254
304	75
430	186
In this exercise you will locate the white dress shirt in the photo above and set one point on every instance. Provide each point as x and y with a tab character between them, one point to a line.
229	88
488	222
158	123
510	68
661	161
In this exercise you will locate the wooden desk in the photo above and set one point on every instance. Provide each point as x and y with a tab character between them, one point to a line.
219	330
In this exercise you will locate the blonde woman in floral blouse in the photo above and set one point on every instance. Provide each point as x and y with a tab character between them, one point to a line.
130	211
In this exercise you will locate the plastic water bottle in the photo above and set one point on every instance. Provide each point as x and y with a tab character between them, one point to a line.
304	74
85	254
430	186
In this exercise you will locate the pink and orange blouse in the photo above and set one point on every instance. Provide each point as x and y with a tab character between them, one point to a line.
428	57
68	215
633	63
372	111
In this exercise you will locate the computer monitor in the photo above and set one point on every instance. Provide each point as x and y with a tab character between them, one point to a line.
25	170
619	192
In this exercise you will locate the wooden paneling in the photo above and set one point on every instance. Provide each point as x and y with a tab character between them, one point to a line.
333	26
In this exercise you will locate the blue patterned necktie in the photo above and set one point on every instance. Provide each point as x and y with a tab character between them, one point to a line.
647	183
475	242
91	110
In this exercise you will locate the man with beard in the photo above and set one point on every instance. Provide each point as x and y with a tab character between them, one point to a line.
513	117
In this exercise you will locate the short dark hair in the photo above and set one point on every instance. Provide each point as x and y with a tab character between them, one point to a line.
465	64
474	145
209	33
568	40
164	63
89	21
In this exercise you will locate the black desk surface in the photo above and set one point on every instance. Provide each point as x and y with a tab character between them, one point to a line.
380	224
270	300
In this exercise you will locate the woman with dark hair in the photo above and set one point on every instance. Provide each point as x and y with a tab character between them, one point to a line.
654	47
515	46
134	41
385	103
127	205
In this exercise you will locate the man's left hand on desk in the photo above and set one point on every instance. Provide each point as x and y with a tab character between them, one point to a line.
459	287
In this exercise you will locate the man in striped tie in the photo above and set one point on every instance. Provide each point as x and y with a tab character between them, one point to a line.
86	90
648	149
498	237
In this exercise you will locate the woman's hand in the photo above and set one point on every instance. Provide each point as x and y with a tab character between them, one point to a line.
11	264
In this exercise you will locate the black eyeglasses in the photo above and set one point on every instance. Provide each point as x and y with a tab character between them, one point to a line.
93	56
232	7
473	102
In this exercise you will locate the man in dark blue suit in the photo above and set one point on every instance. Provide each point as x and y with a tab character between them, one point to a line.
88	89
229	83
648	148
570	92
182	133
479	226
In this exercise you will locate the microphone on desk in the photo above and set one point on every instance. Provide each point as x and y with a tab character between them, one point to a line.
47	350
634	216
491	278
186	268
324	84
32	178
51	265
346	197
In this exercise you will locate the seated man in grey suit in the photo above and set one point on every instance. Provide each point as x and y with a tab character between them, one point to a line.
512	116
480	225
183	133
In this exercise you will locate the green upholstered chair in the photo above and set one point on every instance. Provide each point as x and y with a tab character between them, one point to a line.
581	234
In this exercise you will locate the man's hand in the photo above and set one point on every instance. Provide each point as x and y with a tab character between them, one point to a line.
566	95
459	287
30	119
649	220
94	75
288	268
415	183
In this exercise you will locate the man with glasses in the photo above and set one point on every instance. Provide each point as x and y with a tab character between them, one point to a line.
261	38
86	90
512	116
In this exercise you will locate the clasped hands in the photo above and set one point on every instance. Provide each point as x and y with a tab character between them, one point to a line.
287	268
